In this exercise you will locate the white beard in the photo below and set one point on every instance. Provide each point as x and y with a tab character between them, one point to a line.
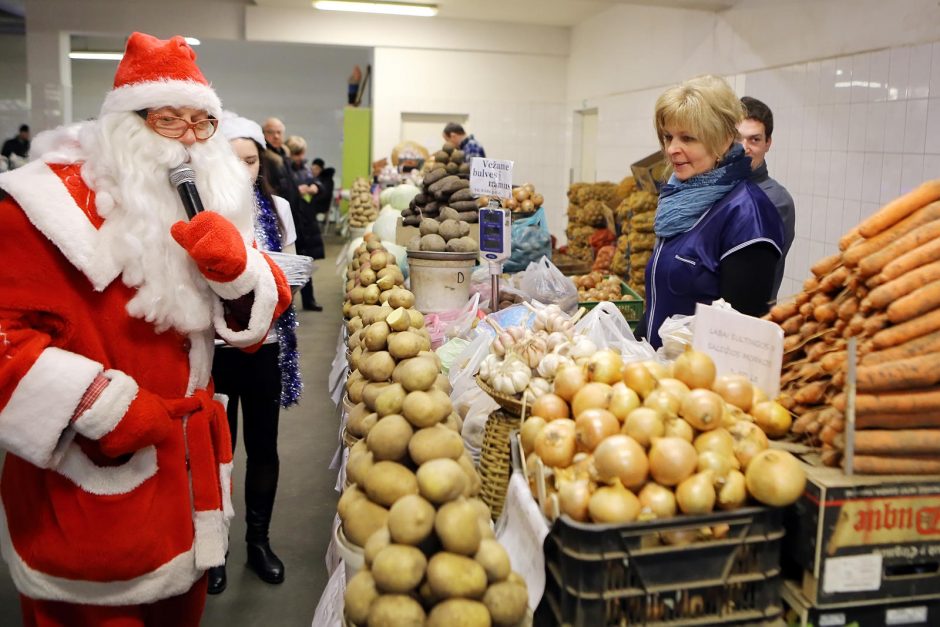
127	165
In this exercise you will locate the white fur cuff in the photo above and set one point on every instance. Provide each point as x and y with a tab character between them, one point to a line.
108	409
262	313
211	541
246	281
33	421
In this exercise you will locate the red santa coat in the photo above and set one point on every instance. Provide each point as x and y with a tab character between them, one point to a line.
130	512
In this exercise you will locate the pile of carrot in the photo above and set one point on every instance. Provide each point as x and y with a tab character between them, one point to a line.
882	288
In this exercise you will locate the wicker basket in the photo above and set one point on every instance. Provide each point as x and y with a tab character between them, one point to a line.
349	440
510	404
496	459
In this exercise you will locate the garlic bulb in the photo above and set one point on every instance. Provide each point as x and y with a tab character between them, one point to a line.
487	366
508	338
511	376
550	364
531	350
580	347
555	340
552	319
537	387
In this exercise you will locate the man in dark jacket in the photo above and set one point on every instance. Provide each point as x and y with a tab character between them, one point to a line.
18	145
323	179
455	134
756	131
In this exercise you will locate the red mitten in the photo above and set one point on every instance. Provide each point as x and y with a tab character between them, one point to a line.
214	244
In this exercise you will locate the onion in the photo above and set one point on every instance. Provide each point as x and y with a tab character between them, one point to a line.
696	495
657	369
736	389
613	504
759	396
678	428
638	378
775	478
679	538
605	366
732	492
621	457
773	418
657	500
529	431
592	396
749	440
550	407
695	369
643	424
593	425
717	440
672	460
720	531
719	464
555	444
675	387
568	380
573	497
703	409
665	402
582	466
623	400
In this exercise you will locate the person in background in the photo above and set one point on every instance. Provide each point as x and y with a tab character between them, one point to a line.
308	227
16	149
262	381
117	476
756	132
455	134
717	233
323	179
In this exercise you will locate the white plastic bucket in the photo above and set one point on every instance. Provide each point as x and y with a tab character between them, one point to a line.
440	281
352	555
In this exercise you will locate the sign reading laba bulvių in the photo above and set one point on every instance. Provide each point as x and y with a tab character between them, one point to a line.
490	177
740	344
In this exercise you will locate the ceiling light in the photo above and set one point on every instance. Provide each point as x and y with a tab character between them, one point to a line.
192	41
97	56
388	8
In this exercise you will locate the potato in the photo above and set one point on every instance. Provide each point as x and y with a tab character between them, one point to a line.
396	610
457	528
454	423
410	520
376	542
464	228
349	496
474	483
417	318
387	481
401	298
459	613
398	568
453	575
356	295
442	383
370	393
360	422
377	366
371	294
440	480
507	603
389	400
379	260
399	320
358	465
426	409
364	519
449	148
448	213
449	229
433	243
493	558
414	243
429	226
360	593
405	345
388	439
437	442
417	373
462	245
452	168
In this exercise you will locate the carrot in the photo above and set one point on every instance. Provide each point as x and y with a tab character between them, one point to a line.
834	279
811	393
801	298
820	299
875	323
781	312
833	361
828	435
812	370
849	238
817	350
896	421
806	309
827	312
830	415
905	402
907	465
911	260
899	208
887	293
918	302
786	400
830	457
839	327
811	284
808	329
826	265
919	346
892	336
791	343
799	425
848	308
853	256
873	263
900	442
857	324
792	324
904	374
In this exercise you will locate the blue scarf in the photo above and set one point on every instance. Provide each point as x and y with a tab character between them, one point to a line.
268	234
682	203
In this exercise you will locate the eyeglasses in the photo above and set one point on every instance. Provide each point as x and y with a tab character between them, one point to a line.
173	127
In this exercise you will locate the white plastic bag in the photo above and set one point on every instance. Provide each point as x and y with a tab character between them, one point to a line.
676	334
386	224
544	282
606	327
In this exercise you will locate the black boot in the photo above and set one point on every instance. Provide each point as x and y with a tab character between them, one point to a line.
260	489
217	580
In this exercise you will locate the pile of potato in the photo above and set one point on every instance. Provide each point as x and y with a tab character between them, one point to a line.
446	184
362	207
451	234
595	287
524	200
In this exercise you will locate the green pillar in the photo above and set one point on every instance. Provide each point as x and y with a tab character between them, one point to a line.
357	147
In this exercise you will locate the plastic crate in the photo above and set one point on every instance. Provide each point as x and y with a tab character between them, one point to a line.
631	307
618	574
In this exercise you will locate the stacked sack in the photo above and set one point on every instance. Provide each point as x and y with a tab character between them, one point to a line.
362	207
640	238
446	184
590	209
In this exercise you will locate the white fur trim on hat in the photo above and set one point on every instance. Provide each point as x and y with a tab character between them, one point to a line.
162	93
233	126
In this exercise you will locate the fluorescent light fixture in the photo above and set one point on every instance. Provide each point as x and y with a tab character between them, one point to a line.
97	56
192	41
387	8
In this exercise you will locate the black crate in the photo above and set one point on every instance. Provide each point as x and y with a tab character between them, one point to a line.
613	574
799	612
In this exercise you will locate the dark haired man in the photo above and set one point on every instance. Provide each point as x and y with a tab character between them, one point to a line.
455	134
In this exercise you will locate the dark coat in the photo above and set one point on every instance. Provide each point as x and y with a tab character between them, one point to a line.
305	220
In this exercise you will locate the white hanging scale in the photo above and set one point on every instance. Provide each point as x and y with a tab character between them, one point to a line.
495	242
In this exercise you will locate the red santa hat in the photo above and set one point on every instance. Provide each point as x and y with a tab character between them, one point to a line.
158	73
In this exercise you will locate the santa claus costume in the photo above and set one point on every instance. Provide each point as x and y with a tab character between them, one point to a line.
117	480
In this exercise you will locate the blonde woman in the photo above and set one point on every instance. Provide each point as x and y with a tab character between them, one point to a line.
717	234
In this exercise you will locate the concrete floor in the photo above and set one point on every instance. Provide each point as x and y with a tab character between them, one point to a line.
306	500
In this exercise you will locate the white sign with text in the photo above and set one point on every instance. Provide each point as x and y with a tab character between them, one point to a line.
740	344
491	177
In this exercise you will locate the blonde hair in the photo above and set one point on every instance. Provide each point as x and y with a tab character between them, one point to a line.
296	144
706	107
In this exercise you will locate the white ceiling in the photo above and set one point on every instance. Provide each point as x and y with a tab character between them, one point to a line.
544	12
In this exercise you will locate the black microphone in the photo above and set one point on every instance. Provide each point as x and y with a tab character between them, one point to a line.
183	178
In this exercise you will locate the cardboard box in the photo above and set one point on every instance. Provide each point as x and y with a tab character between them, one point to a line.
650	172
801	613
865	538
